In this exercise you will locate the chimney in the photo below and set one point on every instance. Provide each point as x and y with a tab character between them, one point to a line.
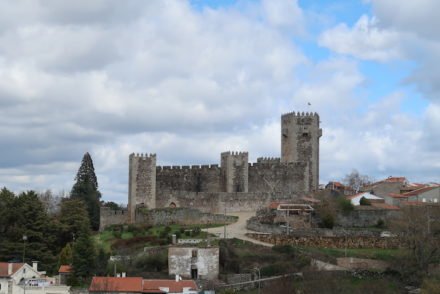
174	238
177	278
118	275
10	269
123	274
35	265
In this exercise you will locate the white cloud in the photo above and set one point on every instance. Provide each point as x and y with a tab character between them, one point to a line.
365	40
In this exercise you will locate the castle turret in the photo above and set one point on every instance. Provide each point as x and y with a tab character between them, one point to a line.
234	166
300	135
141	183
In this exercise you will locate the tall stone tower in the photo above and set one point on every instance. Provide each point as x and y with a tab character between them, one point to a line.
300	135
235	171
141	182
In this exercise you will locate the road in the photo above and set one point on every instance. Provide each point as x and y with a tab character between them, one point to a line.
238	229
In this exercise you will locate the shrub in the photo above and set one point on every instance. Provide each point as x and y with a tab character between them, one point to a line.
345	205
327	221
380	223
285	249
364	201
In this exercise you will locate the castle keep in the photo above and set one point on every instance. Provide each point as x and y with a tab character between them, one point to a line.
235	185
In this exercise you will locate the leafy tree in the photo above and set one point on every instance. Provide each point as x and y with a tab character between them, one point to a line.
25	215
345	205
73	218
66	255
102	262
83	256
112	205
86	189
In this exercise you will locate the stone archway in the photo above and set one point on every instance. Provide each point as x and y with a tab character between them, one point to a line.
172	205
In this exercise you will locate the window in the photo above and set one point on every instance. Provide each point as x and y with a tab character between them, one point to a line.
305	135
194	253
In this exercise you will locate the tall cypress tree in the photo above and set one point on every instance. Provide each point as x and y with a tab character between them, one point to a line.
86	189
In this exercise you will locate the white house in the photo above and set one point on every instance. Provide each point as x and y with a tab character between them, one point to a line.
21	278
355	199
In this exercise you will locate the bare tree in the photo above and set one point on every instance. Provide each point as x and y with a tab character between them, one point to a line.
419	229
355	180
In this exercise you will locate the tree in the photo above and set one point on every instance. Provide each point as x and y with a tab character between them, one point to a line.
50	202
419	230
86	189
83	256
355	180
73	218
66	255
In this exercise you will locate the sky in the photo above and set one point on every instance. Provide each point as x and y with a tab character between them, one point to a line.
188	80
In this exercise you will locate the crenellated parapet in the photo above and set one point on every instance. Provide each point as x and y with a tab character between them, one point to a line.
300	114
269	160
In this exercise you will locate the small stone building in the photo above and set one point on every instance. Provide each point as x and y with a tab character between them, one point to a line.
194	262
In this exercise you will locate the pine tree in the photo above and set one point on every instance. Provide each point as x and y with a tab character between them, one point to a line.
86	189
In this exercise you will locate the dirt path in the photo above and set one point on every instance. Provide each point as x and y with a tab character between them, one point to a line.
237	229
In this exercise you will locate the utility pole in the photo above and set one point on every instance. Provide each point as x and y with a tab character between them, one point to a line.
24	264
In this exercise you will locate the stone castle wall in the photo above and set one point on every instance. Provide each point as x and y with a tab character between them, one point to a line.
194	178
247	186
216	202
276	177
110	217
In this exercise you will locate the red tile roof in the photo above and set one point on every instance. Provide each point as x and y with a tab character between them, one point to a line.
4	268
112	284
174	287
420	191
65	269
395	180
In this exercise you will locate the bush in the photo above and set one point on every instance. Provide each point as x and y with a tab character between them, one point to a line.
196	231
364	201
345	205
380	223
327	221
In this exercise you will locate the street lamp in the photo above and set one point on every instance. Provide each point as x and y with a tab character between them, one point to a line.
24	246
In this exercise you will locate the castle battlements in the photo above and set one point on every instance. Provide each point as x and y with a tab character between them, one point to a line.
300	114
236	182
268	160
143	156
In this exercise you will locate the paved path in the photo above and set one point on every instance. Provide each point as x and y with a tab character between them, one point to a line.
237	229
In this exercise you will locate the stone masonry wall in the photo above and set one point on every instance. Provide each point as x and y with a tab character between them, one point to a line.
181	216
204	178
328	242
300	135
182	259
110	217
216	202
280	178
234	168
141	182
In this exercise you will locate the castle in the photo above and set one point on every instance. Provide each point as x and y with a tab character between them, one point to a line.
235	185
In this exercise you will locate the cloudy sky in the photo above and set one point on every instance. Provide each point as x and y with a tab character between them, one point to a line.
190	79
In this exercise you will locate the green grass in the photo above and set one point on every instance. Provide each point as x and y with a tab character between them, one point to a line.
106	238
